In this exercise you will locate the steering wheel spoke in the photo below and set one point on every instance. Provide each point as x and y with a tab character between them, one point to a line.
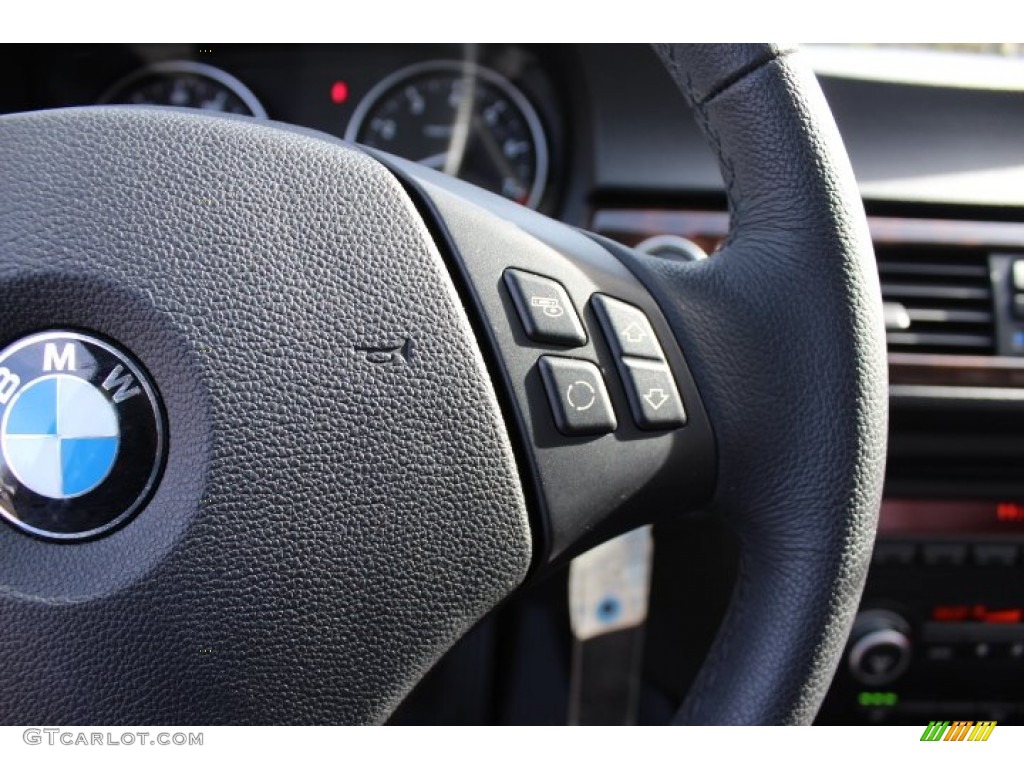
612	431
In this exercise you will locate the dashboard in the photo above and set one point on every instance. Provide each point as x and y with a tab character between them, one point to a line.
598	137
490	115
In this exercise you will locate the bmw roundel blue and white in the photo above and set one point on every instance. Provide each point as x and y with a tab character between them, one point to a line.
81	435
60	436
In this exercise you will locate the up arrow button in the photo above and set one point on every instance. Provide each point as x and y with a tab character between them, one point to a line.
634	333
627	328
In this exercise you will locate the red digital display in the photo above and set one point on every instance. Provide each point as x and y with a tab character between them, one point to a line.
925	517
979	613
1009	510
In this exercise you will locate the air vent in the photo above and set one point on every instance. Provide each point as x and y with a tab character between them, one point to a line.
938	300
970	451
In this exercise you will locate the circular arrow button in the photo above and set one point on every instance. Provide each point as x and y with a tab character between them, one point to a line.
580	395
577	395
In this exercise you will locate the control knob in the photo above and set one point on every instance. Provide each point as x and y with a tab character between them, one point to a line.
879	647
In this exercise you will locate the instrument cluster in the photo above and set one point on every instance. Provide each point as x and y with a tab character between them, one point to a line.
491	115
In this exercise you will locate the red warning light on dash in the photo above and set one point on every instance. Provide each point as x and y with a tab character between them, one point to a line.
339	91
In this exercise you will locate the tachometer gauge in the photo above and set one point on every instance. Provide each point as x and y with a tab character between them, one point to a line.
460	118
185	84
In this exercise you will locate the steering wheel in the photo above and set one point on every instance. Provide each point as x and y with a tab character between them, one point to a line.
390	399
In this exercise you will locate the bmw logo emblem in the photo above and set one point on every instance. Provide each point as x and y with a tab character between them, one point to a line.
81	435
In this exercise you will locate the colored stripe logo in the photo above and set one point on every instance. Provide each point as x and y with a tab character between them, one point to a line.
960	730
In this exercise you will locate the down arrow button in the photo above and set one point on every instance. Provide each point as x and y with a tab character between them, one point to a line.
656	397
653	396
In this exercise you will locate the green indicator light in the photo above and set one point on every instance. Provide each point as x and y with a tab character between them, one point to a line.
877	699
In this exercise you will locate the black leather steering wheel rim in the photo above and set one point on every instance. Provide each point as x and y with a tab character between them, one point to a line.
803	481
344	492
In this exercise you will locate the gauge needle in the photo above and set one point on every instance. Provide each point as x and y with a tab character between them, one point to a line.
435	161
493	148
462	125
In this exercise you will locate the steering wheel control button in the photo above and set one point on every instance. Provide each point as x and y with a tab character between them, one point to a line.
545	309
652	393
579	399
627	328
81	435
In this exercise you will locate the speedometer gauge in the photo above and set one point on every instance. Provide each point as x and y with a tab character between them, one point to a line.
460	118
185	84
